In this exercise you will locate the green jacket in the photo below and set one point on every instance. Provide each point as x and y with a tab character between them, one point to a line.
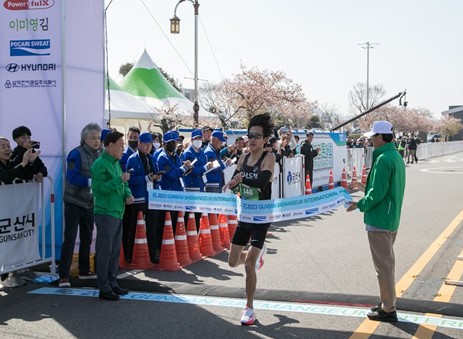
109	191
384	191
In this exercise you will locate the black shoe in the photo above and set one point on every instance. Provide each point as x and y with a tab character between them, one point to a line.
376	308
381	315
120	291
108	295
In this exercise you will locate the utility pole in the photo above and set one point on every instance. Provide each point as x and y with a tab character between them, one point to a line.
367	45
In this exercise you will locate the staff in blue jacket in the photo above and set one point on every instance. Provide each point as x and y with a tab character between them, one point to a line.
193	180
141	167
172	169
215	178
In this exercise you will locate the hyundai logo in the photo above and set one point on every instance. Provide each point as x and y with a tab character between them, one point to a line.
12	67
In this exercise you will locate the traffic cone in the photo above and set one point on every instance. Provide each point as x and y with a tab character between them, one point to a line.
344	178
353	184
168	258
308	186
232	224
141	256
205	238
192	239
331	181
224	233
181	244
215	234
364	175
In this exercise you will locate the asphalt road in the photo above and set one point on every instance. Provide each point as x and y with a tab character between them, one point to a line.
318	281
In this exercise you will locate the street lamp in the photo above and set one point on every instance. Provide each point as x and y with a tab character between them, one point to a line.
367	45
175	29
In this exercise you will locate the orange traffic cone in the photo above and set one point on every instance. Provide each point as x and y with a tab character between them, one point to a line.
308	186
205	239
364	175
223	229
232	225
354	179
192	238
168	258
215	233
141	255
331	181
344	178
181	244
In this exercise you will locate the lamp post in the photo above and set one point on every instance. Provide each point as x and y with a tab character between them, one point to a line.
367	45
175	29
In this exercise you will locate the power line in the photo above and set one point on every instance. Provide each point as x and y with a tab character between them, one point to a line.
165	35
212	50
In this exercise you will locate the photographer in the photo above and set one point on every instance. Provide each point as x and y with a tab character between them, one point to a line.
22	137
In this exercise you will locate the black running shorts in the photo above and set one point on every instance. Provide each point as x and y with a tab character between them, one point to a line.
246	231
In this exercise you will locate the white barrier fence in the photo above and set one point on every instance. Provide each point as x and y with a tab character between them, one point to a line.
359	156
22	206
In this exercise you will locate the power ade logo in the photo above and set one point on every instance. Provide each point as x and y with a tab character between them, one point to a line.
30	67
21	5
29	47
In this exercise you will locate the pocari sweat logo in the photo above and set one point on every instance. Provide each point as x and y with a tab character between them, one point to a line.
29	47
259	218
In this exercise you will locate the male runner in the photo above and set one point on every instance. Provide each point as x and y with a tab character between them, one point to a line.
255	172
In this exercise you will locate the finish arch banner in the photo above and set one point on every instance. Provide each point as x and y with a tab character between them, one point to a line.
19	231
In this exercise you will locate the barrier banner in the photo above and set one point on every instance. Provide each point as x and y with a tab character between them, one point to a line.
19	235
255	211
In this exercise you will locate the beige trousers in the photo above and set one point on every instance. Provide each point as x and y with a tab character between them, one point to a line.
382	252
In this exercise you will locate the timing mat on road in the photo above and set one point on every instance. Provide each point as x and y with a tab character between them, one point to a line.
258	304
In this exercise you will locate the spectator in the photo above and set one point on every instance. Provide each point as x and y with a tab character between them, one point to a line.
412	147
111	193
309	153
207	134
285	148
142	175
215	178
401	146
297	149
350	143
132	140
8	171
78	204
157	141
22	137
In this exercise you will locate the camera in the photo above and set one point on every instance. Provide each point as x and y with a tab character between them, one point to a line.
35	144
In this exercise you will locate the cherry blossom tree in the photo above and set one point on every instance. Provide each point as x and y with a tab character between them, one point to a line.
254	91
449	126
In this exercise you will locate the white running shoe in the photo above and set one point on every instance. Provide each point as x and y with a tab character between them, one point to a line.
248	317
260	258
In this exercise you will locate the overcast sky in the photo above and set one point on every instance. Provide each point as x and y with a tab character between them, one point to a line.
420	44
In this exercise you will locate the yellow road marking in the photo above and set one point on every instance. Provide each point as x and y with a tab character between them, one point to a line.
367	327
444	295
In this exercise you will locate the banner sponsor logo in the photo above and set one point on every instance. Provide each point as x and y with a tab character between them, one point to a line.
30	83
29	47
21	5
13	67
311	211
29	24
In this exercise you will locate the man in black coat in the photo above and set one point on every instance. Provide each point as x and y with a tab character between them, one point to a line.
309	152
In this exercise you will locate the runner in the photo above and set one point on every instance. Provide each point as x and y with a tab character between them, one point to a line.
252	178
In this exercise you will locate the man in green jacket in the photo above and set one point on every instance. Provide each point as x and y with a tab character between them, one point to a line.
111	193
382	205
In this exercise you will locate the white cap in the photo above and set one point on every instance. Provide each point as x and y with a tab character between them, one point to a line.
380	127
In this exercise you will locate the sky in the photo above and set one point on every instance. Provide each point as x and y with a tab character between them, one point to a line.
316	43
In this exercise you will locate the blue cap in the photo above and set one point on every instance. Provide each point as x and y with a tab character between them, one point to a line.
146	138
219	135
104	132
196	133
170	136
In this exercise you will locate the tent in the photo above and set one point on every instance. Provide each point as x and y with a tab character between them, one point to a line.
124	105
146	82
